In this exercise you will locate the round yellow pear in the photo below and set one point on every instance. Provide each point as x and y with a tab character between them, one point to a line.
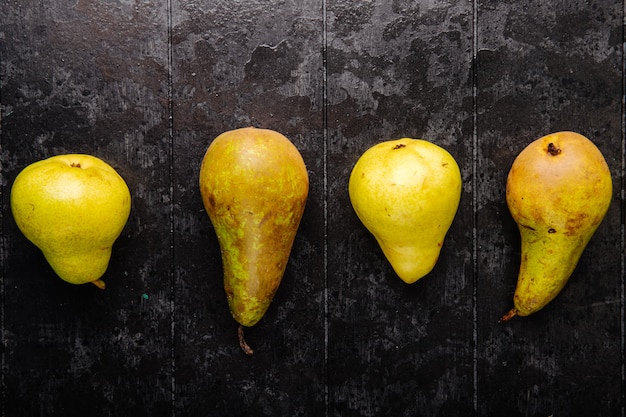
406	192
73	207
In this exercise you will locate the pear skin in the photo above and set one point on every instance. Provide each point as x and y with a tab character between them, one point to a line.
73	207
558	191
406	193
254	186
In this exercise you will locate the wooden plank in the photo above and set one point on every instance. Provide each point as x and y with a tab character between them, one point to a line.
88	77
398	69
544	68
236	65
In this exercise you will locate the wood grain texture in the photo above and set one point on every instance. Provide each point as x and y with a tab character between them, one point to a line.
398	349
237	65
90	78
148	85
539	72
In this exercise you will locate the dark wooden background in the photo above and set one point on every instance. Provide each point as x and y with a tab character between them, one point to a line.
146	85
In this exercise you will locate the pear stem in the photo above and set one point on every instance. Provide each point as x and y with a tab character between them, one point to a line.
553	150
508	316
242	342
99	283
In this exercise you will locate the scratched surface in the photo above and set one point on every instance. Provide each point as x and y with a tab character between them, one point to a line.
148	85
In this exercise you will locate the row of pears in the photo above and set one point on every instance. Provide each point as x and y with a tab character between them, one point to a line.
254	186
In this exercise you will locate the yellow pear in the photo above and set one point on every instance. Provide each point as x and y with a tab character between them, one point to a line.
406	192
73	207
254	187
558	190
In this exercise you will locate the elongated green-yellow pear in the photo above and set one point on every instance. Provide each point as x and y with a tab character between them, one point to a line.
558	191
254	186
73	207
406	192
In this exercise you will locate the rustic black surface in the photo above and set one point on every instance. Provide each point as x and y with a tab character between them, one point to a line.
147	85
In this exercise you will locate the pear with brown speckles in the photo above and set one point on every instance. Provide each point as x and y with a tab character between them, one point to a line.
558	191
254	186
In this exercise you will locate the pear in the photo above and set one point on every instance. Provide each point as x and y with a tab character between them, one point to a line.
254	186
558	190
73	207
406	192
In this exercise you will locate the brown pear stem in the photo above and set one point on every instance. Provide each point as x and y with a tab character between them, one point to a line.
242	342
99	283
508	316
553	150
